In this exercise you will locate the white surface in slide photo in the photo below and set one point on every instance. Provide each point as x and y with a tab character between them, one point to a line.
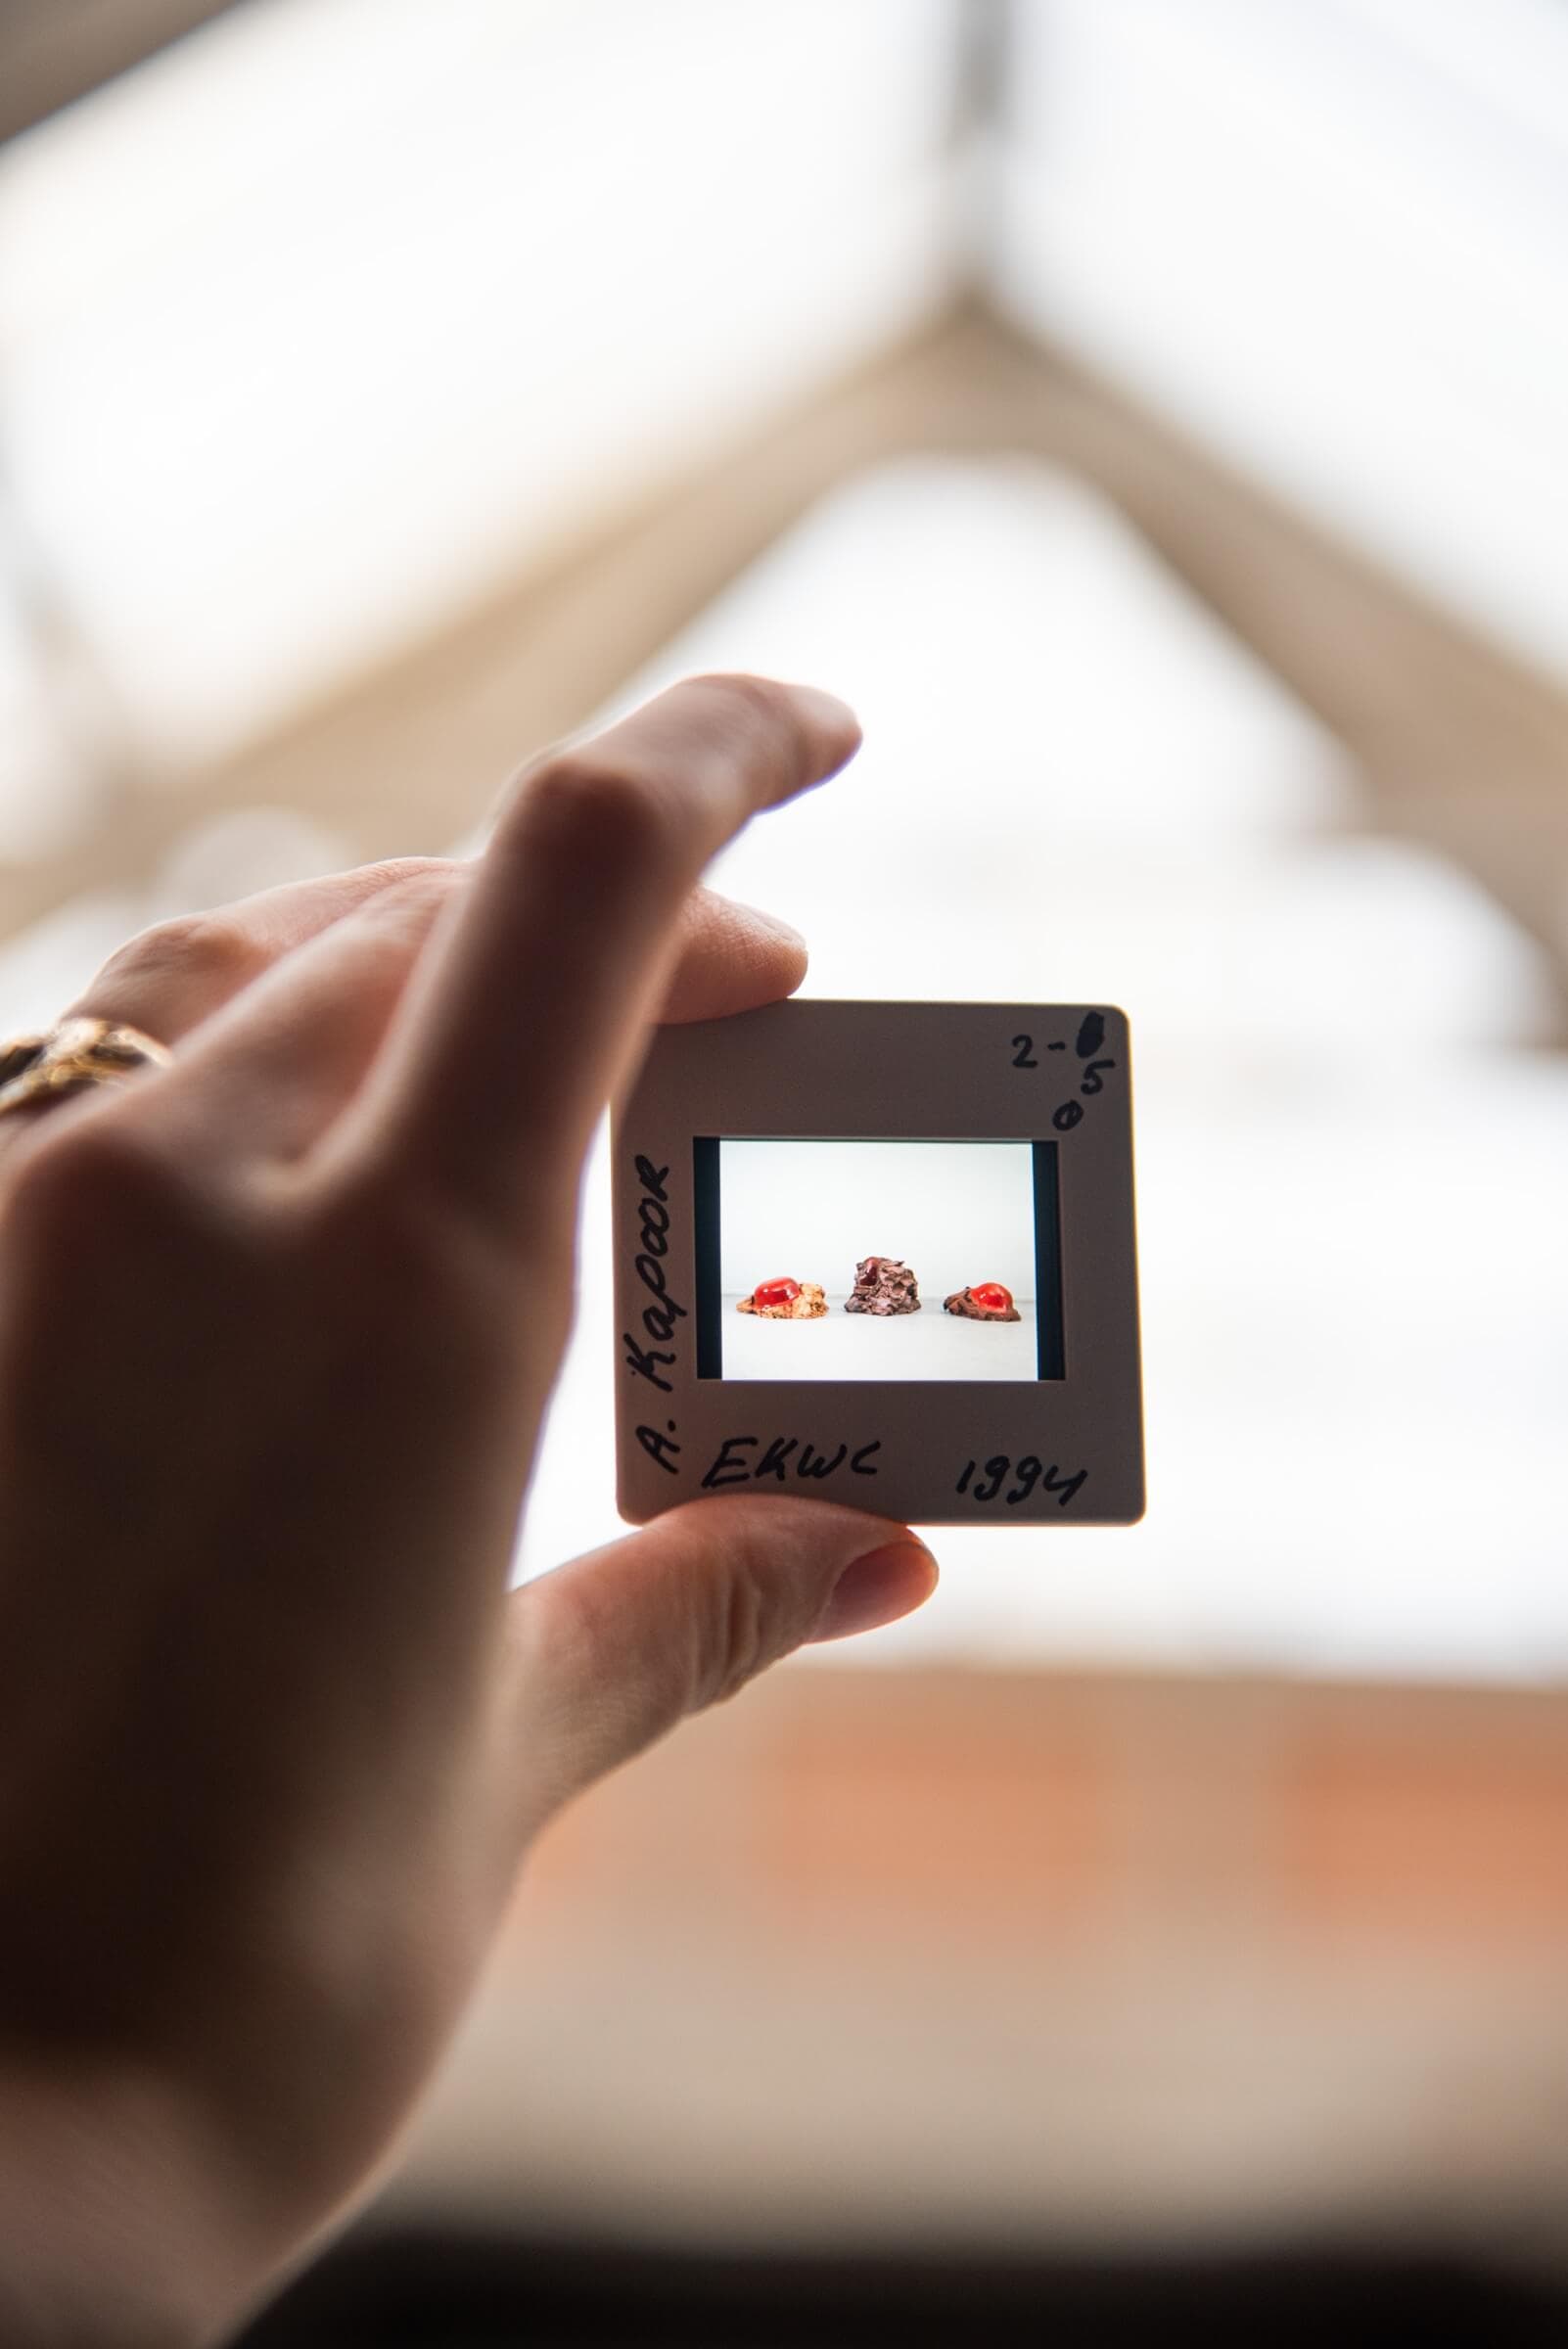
956	1213
929	1344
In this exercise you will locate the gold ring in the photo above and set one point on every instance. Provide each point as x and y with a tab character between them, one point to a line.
68	1058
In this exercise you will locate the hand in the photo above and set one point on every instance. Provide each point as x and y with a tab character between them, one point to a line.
277	1329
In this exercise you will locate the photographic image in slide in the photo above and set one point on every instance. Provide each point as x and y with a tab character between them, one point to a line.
849	1259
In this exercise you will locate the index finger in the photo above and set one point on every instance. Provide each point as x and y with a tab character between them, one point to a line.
170	978
531	1012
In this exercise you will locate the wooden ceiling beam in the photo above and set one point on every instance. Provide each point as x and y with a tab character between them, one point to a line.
1457	741
53	52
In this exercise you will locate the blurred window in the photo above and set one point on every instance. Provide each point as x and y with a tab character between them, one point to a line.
326	319
1334	239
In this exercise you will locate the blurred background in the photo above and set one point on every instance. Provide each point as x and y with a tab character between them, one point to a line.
1152	420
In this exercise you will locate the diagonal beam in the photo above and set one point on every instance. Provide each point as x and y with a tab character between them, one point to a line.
412	753
53	52
1457	741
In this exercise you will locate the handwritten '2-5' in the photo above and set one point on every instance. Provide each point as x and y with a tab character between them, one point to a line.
1086	1044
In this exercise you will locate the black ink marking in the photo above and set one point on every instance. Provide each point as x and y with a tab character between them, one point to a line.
1056	1047
660	1448
1093	1082
727	1470
1031	1475
651	1272
1091	1035
995	1470
1023	1058
1028	1477
1064	1120
773	1458
730	1467
640	1361
650	1362
660	1320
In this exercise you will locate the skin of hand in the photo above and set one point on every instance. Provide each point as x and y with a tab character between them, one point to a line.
278	1326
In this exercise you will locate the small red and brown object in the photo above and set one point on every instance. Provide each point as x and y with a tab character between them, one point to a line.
992	1296
783	1291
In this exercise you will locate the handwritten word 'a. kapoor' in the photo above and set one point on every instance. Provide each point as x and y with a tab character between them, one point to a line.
659	1320
786	1455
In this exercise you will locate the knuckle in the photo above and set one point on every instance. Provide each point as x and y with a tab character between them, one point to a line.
737	1635
89	1186
393	871
586	804
205	946
421	1288
405	910
383	1232
133	1293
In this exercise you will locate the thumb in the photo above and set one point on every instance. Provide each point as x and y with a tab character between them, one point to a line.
615	1649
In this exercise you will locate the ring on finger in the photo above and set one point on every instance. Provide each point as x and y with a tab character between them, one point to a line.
76	1054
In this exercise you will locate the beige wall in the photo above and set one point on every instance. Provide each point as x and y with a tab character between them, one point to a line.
1053	1954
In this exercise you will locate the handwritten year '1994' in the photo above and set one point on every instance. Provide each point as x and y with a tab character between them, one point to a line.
1030	1472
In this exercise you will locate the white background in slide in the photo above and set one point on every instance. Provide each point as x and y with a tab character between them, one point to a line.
956	1213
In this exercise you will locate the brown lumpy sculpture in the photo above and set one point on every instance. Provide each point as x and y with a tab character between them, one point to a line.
973	1307
883	1285
808	1301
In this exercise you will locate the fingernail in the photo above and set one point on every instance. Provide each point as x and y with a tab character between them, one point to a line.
878	1588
